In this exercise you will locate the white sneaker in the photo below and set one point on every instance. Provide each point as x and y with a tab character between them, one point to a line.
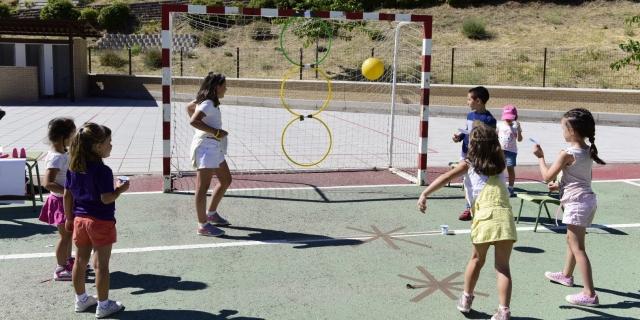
111	308
89	302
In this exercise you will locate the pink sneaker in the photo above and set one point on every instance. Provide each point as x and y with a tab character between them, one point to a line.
502	314
464	303
582	299
62	274
559	278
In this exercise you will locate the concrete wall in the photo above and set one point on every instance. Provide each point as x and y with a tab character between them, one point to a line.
18	84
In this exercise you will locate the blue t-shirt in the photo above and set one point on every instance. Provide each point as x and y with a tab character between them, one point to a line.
485	117
86	188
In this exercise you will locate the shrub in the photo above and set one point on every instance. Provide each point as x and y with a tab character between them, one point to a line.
228	54
261	31
5	10
153	59
475	29
89	15
463	3
114	17
111	59
150	27
59	10
136	49
376	35
212	39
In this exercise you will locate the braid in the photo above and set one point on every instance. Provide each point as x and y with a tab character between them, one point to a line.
582	122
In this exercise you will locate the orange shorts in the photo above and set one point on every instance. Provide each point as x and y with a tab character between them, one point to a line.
93	232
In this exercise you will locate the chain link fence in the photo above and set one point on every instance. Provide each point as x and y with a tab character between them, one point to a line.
530	67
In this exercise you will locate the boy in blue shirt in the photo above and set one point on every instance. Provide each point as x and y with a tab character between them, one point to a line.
476	100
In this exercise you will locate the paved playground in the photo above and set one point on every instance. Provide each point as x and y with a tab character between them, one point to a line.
303	249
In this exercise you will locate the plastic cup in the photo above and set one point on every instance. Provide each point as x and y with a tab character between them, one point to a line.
123	179
444	229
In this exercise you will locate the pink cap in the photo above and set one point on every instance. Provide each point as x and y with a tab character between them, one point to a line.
509	112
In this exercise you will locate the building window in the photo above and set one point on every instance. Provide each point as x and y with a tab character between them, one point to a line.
7	54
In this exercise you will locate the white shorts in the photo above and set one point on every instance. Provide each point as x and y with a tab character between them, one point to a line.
209	154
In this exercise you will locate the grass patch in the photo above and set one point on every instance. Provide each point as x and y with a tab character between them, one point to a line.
475	29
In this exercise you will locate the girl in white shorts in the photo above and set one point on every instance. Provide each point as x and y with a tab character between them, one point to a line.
208	148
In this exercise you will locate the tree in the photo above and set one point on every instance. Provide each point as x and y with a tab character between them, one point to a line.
631	47
59	10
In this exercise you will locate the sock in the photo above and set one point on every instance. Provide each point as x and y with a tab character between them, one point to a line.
212	213
503	308
202	225
59	267
467	294
103	304
82	297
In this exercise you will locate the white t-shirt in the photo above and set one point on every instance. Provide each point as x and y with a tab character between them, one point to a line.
212	118
60	161
474	182
508	136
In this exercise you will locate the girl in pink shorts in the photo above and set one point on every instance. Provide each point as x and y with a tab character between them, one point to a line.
576	197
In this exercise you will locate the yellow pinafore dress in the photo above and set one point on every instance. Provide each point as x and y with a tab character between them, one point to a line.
492	216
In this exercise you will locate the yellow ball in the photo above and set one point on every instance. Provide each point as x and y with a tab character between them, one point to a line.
372	68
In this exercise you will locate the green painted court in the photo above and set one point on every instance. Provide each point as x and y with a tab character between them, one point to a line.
322	253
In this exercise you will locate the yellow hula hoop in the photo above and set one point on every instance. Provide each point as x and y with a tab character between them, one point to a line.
286	77
309	164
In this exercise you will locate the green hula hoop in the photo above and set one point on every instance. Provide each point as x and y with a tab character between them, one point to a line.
284	52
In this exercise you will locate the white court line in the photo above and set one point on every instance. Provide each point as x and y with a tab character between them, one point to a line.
632	183
284	241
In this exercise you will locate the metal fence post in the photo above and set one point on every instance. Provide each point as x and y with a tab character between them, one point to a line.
373	52
544	69
453	54
237	62
89	51
301	66
129	60
181	62
316	67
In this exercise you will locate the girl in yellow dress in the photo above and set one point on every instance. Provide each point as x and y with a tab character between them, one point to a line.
492	217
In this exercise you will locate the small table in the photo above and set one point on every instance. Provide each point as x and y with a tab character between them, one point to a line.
31	163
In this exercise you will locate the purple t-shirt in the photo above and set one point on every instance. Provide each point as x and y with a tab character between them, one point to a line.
86	189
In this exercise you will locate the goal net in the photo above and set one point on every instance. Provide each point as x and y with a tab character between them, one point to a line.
296	98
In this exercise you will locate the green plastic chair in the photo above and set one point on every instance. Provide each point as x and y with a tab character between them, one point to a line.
540	200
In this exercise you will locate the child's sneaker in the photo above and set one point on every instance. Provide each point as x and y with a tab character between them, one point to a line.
559	278
465	215
111	308
217	220
582	299
511	192
90	301
62	274
208	230
464	303
502	314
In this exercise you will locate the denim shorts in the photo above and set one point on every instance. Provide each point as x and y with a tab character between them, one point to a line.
510	158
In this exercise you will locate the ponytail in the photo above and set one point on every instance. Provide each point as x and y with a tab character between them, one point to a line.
82	150
594	151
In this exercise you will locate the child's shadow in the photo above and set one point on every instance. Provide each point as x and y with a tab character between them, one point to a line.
152	283
158	314
300	240
474	314
20	228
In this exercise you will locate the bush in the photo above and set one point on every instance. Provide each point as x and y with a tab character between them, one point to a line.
5	10
474	29
114	17
59	10
89	15
153	59
212	39
136	49
261	31
111	59
375	35
463	3
150	27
